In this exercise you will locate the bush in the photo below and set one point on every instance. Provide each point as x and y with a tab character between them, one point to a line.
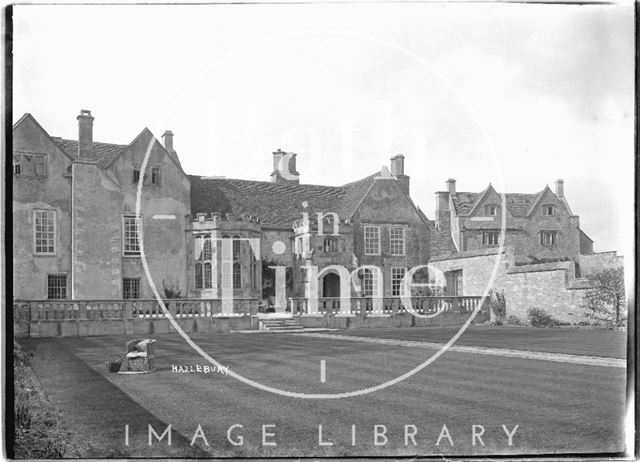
540	318
39	433
513	320
498	306
605	300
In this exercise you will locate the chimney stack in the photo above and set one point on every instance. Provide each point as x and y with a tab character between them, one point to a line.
451	186
85	134
397	170
168	140
560	188
397	165
284	168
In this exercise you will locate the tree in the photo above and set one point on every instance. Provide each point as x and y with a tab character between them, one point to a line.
171	290
605	299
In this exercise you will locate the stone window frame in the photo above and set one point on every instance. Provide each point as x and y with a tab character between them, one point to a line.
131	240
370	283
548	207
52	236
397	287
156	175
57	291
554	238
130	288
490	238
203	265
371	240
488	208
394	241
330	245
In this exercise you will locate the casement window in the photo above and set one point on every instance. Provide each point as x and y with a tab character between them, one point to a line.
253	271
130	288
372	240
136	175
40	165
131	230
237	276
491	210
44	232
237	260
56	286
548	210
396	236
204	261
549	238
490	238
397	275
370	283
330	245
155	175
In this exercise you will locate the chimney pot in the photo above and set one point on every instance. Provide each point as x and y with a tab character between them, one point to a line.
168	140
451	185
85	134
560	188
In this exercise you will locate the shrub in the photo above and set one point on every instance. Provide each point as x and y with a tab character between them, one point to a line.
513	320
540	318
604	301
498	305
39	433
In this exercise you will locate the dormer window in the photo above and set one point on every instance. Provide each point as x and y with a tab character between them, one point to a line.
548	210
491	210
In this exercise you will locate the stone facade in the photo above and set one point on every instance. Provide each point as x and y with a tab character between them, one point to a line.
540	227
549	286
77	205
74	209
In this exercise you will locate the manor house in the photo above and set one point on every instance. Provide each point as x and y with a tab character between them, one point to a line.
77	233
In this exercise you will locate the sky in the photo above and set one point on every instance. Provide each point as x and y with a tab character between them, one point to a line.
513	94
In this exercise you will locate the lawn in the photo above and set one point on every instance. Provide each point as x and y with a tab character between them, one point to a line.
558	407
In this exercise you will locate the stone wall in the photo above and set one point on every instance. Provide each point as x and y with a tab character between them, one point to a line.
591	264
446	318
52	193
549	286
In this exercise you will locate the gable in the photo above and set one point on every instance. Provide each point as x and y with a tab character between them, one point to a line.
548	197
29	137
385	202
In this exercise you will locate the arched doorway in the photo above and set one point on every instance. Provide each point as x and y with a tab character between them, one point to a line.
331	285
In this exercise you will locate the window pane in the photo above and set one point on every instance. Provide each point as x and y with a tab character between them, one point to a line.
397	241
397	288
371	240
44	231
130	288
130	235
57	286
237	276
198	275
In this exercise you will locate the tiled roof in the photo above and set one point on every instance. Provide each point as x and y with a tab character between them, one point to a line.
103	153
517	204
277	205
